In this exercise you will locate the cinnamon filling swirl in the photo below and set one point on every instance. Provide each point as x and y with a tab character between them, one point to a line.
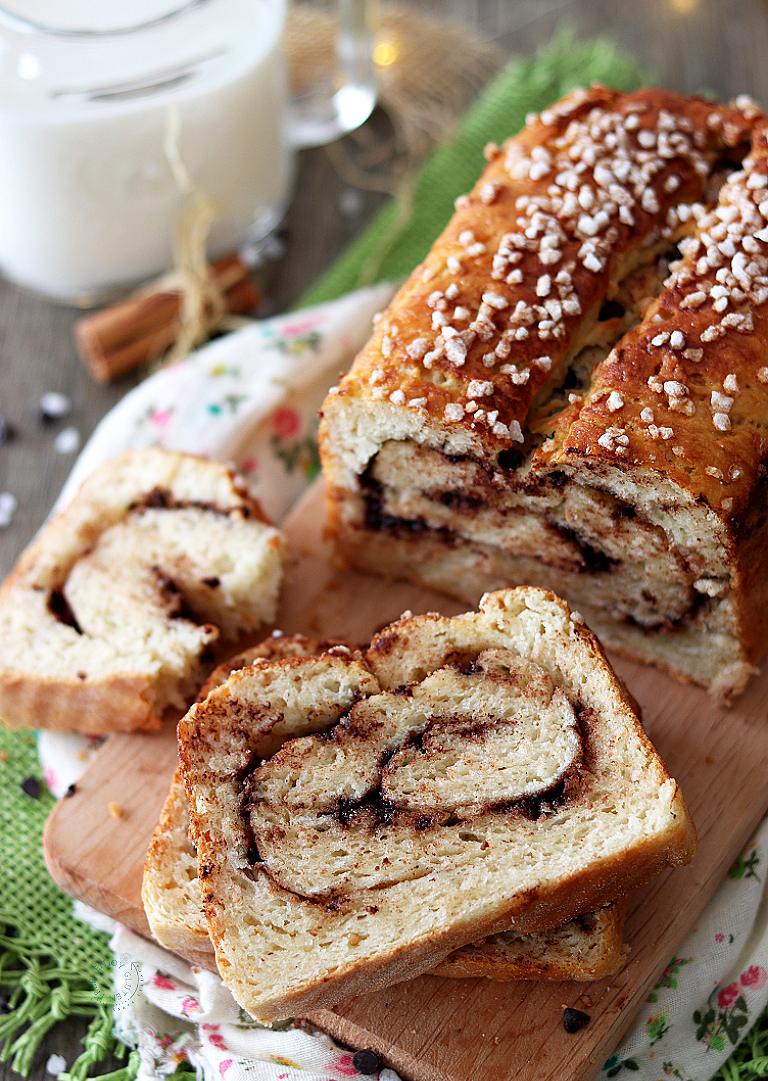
407	779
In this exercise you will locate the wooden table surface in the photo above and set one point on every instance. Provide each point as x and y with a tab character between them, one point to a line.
716	46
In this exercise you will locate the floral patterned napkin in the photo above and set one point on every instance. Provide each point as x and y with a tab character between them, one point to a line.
174	1013
252	398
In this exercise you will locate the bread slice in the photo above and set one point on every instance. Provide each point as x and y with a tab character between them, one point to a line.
358	819
586	948
170	889
109	613
570	391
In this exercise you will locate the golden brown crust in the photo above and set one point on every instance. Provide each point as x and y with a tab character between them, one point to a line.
591	245
702	342
587	948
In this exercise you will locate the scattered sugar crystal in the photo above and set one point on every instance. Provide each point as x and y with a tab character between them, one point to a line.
453	411
54	405
479	388
455	350
415	350
8	507
67	441
615	401
721	402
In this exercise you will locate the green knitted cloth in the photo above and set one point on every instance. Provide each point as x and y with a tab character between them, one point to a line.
52	966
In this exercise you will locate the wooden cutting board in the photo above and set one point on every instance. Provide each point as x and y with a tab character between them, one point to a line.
434	1029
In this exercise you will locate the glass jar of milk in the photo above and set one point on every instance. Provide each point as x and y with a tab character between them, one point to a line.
103	103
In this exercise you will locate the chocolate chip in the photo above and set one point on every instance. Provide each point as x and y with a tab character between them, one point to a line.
366	1061
31	786
70	791
573	1020
7	432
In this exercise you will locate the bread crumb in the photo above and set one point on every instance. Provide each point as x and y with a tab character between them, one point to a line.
115	809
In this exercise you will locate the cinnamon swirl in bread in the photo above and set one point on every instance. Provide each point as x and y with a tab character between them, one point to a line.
585	948
548	400
107	617
359	817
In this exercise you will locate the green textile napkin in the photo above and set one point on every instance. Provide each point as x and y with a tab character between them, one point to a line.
52	966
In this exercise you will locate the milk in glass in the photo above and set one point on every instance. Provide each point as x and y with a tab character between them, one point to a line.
98	97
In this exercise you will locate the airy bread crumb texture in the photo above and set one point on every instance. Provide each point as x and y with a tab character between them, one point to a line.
343	844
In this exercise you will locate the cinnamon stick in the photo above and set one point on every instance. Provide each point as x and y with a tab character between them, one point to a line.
139	330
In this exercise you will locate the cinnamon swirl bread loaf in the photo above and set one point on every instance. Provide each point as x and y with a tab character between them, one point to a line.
108	615
571	390
358	818
585	948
